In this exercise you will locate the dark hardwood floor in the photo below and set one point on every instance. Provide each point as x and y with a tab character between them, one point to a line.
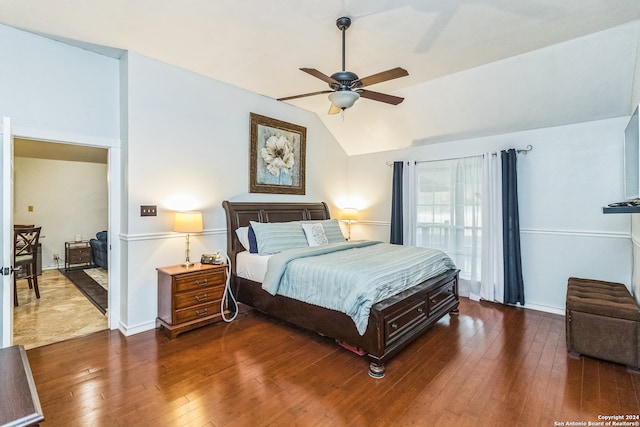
490	366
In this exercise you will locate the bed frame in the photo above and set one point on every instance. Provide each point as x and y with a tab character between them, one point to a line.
394	322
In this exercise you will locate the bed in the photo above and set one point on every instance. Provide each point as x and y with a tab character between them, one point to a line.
393	323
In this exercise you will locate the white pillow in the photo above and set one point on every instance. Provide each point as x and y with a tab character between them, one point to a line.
243	236
315	234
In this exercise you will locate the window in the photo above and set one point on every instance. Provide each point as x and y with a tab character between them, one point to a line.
448	217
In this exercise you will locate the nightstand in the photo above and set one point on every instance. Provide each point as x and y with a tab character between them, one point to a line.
190	297
77	254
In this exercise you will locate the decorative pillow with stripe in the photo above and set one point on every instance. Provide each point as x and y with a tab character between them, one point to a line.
275	237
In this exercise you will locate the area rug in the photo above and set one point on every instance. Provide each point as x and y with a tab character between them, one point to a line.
100	275
89	288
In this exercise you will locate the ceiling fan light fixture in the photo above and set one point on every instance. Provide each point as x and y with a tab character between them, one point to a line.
346	87
344	99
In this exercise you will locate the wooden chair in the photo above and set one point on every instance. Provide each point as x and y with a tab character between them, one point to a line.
25	244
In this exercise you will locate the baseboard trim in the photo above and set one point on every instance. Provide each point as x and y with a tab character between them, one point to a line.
536	307
143	327
546	309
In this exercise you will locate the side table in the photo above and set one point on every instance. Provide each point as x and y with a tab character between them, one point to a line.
77	254
190	297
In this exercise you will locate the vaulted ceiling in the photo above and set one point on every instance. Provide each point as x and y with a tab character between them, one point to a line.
476	67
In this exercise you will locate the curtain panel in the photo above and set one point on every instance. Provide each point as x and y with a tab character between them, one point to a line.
397	227
492	278
513	283
448	209
468	208
409	194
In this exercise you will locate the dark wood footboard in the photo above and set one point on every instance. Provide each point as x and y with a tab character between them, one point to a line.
394	323
402	318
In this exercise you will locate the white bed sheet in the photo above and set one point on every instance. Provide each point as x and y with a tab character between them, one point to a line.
251	266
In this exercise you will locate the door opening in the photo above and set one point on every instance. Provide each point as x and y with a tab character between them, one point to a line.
63	188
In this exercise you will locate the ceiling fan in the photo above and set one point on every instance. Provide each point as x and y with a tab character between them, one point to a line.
346	86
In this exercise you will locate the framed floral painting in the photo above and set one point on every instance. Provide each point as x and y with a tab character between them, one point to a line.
277	156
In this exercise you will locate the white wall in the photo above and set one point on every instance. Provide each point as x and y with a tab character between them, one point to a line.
55	92
183	135
54	88
635	219
635	240
563	183
68	198
187	147
635	95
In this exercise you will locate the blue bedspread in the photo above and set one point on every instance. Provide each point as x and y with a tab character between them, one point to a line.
352	276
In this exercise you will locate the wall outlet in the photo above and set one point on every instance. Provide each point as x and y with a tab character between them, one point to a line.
56	257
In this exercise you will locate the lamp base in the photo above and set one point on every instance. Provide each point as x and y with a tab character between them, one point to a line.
187	262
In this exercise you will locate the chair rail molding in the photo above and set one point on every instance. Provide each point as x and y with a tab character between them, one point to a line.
577	233
167	235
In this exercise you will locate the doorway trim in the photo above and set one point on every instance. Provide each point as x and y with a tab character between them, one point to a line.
114	183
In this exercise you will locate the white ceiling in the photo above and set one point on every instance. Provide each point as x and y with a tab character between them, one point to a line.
477	67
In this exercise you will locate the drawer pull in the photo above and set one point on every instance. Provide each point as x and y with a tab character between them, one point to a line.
420	310
394	325
204	283
203	298
433	301
202	313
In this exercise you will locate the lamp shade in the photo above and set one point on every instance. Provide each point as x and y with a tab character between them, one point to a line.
187	222
344	98
349	215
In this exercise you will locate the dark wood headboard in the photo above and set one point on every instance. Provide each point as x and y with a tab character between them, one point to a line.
240	213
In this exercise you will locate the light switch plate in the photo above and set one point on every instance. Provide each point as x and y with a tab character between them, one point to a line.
148	210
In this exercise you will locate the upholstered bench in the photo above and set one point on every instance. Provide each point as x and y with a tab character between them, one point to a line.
603	321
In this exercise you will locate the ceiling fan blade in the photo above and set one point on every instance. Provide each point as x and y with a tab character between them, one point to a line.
303	95
391	74
382	97
334	110
321	76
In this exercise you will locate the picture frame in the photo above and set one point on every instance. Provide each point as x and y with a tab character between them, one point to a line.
277	156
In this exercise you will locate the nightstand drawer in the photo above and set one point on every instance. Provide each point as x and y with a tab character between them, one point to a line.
200	296
78	257
197	281
198	312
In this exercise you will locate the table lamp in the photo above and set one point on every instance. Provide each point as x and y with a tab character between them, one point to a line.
349	215
187	222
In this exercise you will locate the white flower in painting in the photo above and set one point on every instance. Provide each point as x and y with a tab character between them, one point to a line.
278	154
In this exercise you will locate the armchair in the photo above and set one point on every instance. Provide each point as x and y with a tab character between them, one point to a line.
99	247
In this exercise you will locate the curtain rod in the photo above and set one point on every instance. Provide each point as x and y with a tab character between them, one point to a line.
519	151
